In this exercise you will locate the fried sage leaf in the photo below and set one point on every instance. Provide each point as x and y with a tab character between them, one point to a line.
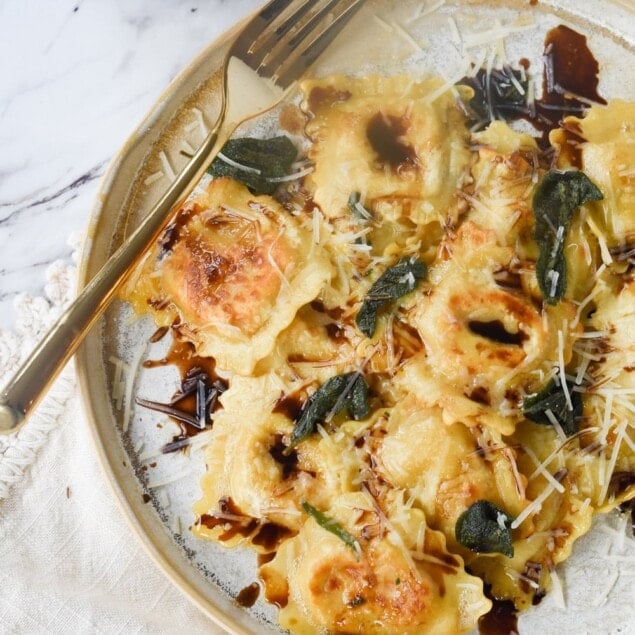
557	197
551	402
393	284
483	527
330	524
348	391
255	162
357	400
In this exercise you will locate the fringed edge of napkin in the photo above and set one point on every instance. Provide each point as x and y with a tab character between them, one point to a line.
34	316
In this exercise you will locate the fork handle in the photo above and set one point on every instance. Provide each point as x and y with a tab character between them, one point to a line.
29	384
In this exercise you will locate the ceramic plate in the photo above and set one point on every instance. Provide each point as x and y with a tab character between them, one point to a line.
156	491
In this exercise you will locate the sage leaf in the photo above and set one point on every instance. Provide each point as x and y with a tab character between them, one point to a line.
331	525
262	161
393	284
357	403
483	527
555	200
342	392
552	399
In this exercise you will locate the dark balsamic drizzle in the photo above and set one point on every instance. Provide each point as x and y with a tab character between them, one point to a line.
175	413
570	150
159	334
495	331
172	232
264	558
570	80
196	399
248	596
271	535
501	620
234	522
385	134
569	86
289	461
621	482
290	405
327	96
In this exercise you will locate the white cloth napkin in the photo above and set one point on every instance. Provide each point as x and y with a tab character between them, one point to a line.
69	563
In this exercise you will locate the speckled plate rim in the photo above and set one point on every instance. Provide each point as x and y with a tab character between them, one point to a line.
116	186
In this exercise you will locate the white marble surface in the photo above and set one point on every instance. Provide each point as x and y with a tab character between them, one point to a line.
77	77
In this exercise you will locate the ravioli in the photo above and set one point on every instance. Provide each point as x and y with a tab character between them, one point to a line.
608	154
391	143
246	465
483	339
234	268
392	586
456	475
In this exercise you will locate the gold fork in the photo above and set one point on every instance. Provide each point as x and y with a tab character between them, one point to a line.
270	53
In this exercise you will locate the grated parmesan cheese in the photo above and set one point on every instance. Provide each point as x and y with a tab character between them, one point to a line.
168	480
238	166
291	177
455	35
406	36
424	11
557	590
561	367
316	225
533	507
610	464
200	120
541	469
495	34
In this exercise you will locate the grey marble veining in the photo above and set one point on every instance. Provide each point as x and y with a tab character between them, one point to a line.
77	77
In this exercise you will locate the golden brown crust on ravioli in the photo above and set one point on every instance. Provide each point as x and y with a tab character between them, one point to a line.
235	268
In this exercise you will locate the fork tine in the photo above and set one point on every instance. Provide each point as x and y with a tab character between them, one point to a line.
286	61
294	19
281	35
259	23
262	28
